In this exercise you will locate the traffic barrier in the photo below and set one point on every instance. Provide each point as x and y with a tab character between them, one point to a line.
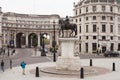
37	72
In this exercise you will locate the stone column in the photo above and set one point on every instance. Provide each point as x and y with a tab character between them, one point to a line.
38	39
0	30
15	39
26	39
4	37
90	47
51	39
57	38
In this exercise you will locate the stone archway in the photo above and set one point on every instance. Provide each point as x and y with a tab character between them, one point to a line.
20	40
46	37
32	40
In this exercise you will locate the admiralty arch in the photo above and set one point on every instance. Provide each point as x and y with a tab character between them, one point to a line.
22	30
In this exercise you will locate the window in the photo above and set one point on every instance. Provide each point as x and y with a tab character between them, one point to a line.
111	18
86	18
80	47
103	38
103	17
94	0
94	47
79	19
111	28
111	37
80	29
76	12
80	37
86	9
118	9
86	28
79	10
103	28
103	8
94	17
112	47
111	1
86	45
119	29
118	38
103	0
94	28
94	8
118	46
76	20
94	37
111	9
87	37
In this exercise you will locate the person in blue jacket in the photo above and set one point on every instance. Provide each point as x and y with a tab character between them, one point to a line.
23	65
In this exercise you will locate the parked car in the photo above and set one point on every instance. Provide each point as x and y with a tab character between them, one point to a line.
111	54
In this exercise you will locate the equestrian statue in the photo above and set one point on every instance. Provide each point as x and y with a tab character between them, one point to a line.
66	25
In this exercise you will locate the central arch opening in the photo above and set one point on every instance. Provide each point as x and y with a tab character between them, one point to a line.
20	40
32	40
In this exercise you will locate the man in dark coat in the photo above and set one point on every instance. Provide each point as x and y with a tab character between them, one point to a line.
2	65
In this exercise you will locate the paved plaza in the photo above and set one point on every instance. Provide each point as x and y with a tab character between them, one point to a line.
16	72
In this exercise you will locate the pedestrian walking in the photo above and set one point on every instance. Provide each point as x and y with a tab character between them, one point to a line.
8	53
2	65
3	52
0	52
23	65
10	63
13	52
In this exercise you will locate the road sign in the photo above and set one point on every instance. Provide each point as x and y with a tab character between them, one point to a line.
11	42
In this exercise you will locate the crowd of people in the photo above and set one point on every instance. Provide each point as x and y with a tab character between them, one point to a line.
4	51
22	64
8	52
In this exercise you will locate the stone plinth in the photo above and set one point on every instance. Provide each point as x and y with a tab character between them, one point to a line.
67	60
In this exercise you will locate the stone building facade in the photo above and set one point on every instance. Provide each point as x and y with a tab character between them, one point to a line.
16	28
98	24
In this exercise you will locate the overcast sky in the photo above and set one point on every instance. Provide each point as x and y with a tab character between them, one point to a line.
40	7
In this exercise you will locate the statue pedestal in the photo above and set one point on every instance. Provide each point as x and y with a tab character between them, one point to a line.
67	60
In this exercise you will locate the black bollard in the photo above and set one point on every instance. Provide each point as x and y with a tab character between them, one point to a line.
113	66
37	72
10	64
90	62
82	73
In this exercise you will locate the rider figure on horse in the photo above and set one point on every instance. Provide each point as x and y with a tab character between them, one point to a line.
67	21
66	25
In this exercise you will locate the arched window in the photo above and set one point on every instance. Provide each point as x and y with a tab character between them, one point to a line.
111	1
103	0
94	0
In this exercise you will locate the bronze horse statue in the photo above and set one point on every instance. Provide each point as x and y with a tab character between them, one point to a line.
65	25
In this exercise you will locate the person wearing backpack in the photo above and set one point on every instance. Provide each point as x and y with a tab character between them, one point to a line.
23	65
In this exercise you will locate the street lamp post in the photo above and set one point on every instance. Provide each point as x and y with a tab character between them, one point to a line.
8	50
54	44
43	46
